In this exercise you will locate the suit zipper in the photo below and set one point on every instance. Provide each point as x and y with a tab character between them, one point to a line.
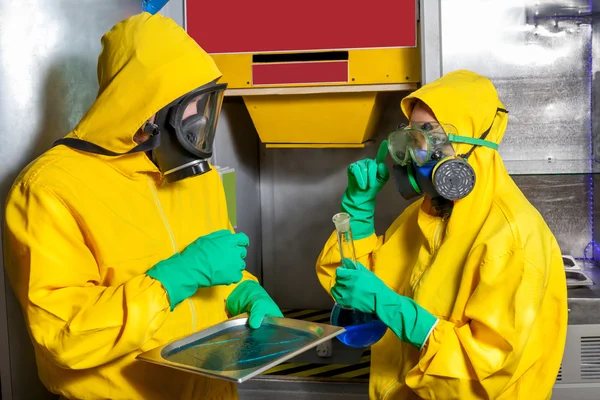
437	239
437	242
173	243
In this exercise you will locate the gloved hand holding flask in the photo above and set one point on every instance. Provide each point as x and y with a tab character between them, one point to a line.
358	288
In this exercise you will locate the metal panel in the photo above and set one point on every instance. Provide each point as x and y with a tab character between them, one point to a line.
570	385
558	7
541	72
276	389
430	25
236	146
579	356
595	181
576	391
47	81
174	9
595	216
563	201
596	86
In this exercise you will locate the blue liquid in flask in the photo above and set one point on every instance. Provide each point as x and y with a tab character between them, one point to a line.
362	329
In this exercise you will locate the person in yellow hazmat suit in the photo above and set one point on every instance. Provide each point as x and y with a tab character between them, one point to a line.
117	240
469	279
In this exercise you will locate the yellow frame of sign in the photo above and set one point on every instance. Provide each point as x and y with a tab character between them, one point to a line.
334	115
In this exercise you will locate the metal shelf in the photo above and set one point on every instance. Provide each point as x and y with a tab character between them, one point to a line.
319	89
555	167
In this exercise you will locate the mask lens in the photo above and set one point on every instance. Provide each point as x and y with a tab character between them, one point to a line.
406	144
419	156
199	120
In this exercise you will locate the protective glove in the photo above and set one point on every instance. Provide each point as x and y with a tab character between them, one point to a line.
365	179
249	297
362	290
211	260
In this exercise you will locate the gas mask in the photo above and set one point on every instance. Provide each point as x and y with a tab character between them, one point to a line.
426	162
182	134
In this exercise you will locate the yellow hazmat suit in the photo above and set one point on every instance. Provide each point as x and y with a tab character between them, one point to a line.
81	230
492	273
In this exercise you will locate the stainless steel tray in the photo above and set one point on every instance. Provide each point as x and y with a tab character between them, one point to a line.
234	352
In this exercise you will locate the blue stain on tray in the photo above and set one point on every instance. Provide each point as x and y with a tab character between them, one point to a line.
239	347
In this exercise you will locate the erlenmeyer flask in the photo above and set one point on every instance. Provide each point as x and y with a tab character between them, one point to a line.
362	329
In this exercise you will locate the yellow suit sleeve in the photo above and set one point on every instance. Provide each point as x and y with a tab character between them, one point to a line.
491	349
75	321
330	259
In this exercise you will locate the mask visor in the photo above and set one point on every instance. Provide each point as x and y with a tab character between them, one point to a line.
196	119
420	142
407	144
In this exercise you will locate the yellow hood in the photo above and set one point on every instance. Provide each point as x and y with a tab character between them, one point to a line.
466	100
147	61
470	103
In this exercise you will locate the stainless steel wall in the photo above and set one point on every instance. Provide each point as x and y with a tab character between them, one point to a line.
542	73
237	146
543	69
596	121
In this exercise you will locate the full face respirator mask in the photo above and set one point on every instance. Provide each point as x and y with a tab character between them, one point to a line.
426	162
181	135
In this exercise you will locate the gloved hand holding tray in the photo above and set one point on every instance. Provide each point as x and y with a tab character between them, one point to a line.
233	351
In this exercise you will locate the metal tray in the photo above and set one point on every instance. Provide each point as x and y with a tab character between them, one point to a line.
234	352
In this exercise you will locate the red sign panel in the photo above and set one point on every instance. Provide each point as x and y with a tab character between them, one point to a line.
260	26
304	72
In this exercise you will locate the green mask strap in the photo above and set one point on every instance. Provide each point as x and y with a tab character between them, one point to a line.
476	142
412	179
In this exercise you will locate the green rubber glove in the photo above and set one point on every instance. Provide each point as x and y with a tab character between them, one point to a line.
249	297
362	290
212	260
365	179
